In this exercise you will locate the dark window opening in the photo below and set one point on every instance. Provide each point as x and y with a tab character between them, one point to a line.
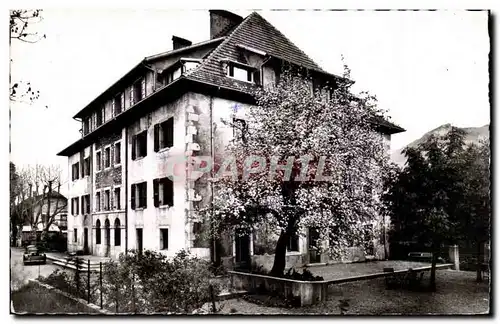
100	117
163	238
75	169
86	126
98	201
164	135
139	195
107	157
98	232
118	152
98	161
293	243
86	167
118	103
75	235
106	199
116	199
140	145
117	232
163	192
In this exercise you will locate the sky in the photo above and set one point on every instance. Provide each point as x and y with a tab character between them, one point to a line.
426	68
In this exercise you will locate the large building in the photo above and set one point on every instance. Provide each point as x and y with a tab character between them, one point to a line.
167	107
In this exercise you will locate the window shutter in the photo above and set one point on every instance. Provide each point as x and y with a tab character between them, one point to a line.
122	101
156	192
143	88
170	132
161	239
83	169
145	195
170	192
156	137
83	204
132	196
134	142
113	106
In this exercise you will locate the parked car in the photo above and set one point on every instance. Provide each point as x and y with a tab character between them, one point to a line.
33	255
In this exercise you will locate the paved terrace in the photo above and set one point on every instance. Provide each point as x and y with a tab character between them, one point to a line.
345	270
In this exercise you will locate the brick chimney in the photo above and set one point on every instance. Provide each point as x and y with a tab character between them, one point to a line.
179	42
221	21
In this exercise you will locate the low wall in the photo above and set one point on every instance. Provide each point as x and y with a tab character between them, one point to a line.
308	292
267	260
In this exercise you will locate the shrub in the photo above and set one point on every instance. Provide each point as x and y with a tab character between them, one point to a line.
151	282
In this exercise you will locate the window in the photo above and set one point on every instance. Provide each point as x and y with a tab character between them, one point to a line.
74	171
98	201
82	199
118	237
107	157
164	135
106	199
98	232
86	166
163	238
86	126
118	103
75	235
75	206
239	73
86	207
98	160
100	116
140	145
163	192
137	91
293	243
240	129
116	198
117	153
138	195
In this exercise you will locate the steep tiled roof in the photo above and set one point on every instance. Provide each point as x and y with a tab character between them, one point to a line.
256	32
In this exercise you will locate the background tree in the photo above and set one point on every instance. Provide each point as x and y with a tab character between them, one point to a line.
433	198
37	197
331	134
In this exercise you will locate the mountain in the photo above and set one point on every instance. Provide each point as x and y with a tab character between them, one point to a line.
474	135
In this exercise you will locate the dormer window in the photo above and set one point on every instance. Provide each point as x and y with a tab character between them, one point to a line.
174	71
137	91
240	71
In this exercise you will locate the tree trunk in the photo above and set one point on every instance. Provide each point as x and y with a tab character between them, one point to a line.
435	251
280	255
479	259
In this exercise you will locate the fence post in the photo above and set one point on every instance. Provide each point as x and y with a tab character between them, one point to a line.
77	276
100	280
212	297
88	281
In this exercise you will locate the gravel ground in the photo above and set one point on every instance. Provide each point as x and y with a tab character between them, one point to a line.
457	293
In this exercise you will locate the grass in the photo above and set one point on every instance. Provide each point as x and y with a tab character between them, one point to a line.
34	299
457	293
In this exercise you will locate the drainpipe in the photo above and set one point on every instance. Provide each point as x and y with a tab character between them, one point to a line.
126	189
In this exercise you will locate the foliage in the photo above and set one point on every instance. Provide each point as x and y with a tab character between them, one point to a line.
21	23
342	145
442	194
152	282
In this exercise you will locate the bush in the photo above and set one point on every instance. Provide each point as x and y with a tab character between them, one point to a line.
152	283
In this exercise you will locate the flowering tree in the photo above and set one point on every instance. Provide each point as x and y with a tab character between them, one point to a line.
302	159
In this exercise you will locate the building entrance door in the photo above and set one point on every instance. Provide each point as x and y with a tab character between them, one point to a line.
314	253
139	240
86	240
242	251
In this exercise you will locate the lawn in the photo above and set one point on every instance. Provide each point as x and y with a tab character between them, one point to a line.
457	293
34	299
